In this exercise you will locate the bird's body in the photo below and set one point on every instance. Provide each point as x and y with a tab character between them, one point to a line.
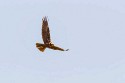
46	38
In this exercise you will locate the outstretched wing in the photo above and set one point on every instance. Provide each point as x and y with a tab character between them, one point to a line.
45	31
57	48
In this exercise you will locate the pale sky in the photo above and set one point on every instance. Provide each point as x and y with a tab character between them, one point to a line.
93	30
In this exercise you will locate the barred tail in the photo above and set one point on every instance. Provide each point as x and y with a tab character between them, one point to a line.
41	47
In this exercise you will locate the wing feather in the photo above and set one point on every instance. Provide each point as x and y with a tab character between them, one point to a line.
57	48
45	31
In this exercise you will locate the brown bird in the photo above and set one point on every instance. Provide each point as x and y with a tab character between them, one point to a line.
46	38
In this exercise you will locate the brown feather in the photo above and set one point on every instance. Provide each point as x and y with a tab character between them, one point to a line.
46	38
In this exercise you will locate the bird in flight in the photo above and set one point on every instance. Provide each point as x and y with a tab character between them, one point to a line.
46	38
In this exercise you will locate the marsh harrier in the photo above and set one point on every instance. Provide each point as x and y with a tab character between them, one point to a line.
46	38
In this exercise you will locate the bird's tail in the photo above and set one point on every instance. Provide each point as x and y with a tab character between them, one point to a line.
41	47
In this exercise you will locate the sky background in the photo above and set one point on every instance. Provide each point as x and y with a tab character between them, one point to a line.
93	30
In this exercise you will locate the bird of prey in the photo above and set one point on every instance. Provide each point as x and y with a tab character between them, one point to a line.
46	38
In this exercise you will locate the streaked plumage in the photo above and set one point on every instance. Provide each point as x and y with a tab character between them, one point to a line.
46	38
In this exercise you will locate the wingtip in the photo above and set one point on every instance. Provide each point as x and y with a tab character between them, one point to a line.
67	50
45	18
